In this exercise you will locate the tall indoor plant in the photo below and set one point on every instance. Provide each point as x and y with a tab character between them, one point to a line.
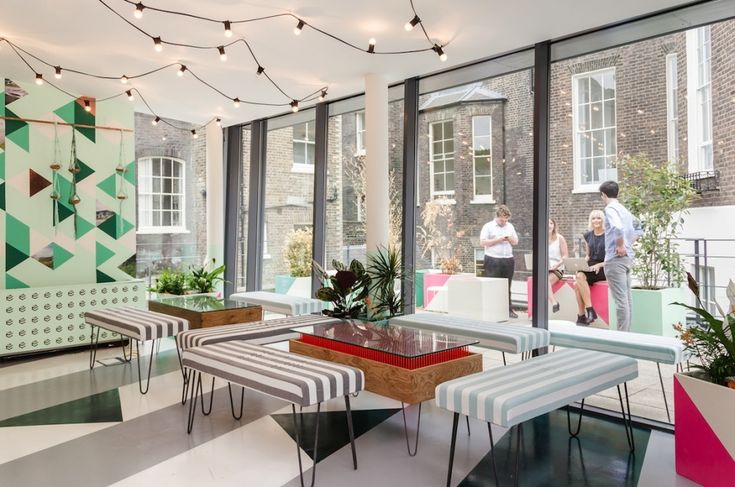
659	197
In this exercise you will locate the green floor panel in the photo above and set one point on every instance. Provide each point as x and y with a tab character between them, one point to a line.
97	408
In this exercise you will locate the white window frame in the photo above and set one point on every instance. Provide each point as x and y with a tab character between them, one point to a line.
434	192
699	99
672	109
593	187
308	167
266	254
145	170
360	133
482	198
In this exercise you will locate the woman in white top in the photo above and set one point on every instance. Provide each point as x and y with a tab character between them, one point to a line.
557	252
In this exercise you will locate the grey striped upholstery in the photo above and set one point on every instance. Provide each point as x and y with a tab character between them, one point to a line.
288	376
502	337
515	393
248	331
136	323
281	303
665	350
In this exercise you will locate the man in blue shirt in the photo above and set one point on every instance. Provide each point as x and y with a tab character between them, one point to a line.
621	230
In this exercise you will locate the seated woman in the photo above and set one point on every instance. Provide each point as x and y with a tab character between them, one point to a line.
557	251
594	245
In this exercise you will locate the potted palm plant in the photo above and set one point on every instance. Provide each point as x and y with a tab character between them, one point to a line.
659	197
704	399
203	280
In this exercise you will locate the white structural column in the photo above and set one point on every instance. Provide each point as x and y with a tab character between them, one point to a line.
376	161
215	195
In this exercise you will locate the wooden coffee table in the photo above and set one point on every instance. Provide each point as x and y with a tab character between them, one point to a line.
206	311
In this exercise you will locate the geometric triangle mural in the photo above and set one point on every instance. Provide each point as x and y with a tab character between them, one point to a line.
84	172
37	182
61	255
97	408
13	256
45	256
103	254
108	186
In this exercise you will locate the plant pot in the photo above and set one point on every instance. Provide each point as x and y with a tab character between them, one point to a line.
293	286
653	312
705	432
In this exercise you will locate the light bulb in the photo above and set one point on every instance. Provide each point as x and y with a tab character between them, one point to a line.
228	29
39	79
298	28
124	80
138	12
371	45
194	134
222	54
181	71
157	44
57	73
130	95
87	106
443	57
322	95
261	70
294	106
218	122
412	23
155	121
236	103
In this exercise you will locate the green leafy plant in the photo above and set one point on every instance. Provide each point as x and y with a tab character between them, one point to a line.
384	268
170	281
346	290
298	252
659	197
711	341
436	236
203	280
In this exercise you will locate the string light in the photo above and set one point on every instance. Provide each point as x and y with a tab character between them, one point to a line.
194	134
442	55
39	79
294	105
129	93
138	12
236	103
124	80
412	23
155	121
228	29
157	44
57	72
322	95
181	71
371	45
87	106
261	70
222	53
298	28
218	121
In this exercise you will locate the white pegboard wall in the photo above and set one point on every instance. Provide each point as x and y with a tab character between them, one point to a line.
39	319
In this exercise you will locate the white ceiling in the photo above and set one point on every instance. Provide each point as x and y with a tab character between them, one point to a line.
84	35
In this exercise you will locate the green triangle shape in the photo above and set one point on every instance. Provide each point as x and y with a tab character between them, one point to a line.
126	227
13	283
83	227
12	126
109	226
103	254
13	256
102	277
61	255
85	171
108	186
18	133
64	211
82	116
97	408
129	173
2	163
66	112
2	196
17	234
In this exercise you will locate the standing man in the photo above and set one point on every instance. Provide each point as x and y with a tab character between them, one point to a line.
498	236
620	234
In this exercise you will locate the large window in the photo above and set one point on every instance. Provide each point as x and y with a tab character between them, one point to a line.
672	108
303	147
482	155
595	144
442	158
161	195
699	89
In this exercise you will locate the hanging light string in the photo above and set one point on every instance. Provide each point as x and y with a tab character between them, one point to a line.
437	48
301	23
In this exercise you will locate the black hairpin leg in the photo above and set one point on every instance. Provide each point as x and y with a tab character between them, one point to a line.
579	421
405	429
467	420
206	412
150	367
504	362
661	380
122	345
350	430
627	420
93	346
581	458
297	427
196	382
185	387
492	453
455	421
232	403
178	353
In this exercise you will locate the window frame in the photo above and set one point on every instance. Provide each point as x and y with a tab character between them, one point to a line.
672	108
297	167
161	229
482	198
700	151
360	133
433	191
579	186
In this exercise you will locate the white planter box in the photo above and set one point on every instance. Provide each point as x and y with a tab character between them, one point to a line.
480	298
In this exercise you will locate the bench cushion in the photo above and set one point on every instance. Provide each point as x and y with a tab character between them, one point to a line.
497	336
248	331
280	303
515	393
665	350
288	376
136	323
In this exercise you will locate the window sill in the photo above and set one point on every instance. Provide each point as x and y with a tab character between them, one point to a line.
586	189
360	152
161	230
266	256
444	199
483	201
302	168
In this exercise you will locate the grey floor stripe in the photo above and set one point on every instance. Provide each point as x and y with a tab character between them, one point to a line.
39	395
117	452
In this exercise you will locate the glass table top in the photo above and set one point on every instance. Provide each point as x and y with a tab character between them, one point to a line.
202	304
397	340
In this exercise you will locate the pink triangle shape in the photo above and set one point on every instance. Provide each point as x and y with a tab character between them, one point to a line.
700	455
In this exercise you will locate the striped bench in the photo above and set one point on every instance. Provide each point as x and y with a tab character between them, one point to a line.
136	324
281	303
640	346
291	377
507	396
496	336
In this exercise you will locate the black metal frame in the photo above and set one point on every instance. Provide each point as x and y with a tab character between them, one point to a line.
94	343
256	204
233	175
320	191
410	156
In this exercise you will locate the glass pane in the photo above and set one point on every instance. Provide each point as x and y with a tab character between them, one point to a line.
449	165
166	218
438	147
175	218
583	90
448	130
436	131
438	182
449	146
482	185
610	142
596	111
242	214
609	113
583	117
176	187
166	203
156	166
156	202
156	185
299	153
166	167
310	148
156	218
299	132
585	146
449	182
596	87
482	166
177	169
609	81
167	186
439	166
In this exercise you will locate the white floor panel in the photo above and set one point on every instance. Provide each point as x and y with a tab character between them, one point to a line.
18	441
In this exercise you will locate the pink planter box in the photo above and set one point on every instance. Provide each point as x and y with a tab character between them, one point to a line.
431	280
598	293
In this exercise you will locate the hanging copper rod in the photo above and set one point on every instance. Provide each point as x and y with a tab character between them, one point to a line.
77	125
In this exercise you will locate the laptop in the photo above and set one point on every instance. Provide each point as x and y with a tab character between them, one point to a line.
572	265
